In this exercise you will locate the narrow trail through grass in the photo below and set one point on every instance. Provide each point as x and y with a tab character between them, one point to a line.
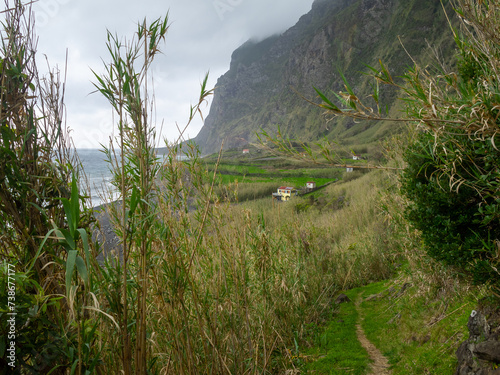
394	327
380	364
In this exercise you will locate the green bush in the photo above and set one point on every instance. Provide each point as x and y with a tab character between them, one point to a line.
455	225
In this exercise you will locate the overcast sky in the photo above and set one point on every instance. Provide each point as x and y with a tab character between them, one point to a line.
201	38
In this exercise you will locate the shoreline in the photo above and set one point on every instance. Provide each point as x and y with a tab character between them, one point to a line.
104	234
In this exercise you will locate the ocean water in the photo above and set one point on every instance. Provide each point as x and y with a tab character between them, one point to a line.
98	176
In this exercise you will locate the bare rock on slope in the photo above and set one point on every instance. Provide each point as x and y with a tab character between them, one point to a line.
480	353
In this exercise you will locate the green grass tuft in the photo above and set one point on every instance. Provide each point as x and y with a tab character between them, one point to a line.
338	350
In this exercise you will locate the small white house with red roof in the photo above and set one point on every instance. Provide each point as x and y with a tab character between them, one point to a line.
311	185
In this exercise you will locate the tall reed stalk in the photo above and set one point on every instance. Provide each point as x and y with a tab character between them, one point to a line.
43	232
126	89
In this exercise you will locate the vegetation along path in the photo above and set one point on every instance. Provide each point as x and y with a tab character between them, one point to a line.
344	348
380	364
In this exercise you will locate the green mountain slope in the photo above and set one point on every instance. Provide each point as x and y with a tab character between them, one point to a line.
259	90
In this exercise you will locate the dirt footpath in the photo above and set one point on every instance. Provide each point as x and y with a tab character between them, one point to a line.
380	365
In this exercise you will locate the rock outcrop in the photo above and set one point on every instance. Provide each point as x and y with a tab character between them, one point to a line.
480	354
260	89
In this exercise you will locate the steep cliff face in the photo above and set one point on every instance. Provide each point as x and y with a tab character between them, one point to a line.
260	89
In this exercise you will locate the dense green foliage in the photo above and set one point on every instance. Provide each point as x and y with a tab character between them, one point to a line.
457	226
35	192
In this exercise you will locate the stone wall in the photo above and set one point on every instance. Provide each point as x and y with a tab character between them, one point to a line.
480	354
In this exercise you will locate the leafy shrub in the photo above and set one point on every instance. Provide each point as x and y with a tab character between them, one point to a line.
453	223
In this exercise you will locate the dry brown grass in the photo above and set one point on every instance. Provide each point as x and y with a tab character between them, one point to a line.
235	300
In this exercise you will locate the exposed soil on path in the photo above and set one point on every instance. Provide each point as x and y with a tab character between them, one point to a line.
380	365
